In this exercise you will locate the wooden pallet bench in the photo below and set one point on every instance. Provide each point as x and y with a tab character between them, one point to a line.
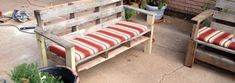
87	32
217	37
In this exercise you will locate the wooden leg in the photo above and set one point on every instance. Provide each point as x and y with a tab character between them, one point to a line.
148	47
189	60
70	58
42	47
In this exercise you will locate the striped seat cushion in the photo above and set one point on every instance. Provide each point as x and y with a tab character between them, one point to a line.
216	37
102	39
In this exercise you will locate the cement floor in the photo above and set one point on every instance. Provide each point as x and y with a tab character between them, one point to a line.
165	65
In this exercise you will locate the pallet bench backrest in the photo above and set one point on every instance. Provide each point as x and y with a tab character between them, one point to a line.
80	15
224	16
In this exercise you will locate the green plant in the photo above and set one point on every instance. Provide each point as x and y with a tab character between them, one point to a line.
206	6
131	13
159	3
30	73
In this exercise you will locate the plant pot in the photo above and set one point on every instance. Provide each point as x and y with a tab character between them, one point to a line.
66	74
155	9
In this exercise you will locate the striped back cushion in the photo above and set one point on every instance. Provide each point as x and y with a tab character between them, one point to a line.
102	39
216	37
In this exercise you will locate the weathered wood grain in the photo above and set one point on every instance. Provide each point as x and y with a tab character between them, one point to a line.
223	27
80	20
54	38
224	16
215	59
76	7
202	16
225	4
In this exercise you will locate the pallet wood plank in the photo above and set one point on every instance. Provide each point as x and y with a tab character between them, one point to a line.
216	47
223	27
70	58
63	10
42	47
54	38
84	19
202	16
224	16
215	59
225	4
83	32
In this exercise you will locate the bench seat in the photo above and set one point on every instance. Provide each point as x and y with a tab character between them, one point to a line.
216	37
100	40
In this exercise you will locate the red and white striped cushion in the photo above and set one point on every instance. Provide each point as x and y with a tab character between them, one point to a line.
213	36
102	39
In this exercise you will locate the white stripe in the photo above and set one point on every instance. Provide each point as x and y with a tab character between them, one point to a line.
96	42
227	44
211	35
202	29
222	43
86	48
216	36
126	36
126	28
118	40
134	24
135	32
94	39
102	36
95	50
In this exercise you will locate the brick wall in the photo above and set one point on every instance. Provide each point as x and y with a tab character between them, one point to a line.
187	6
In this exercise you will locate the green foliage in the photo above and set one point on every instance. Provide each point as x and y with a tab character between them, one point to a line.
31	74
206	6
206	23
131	13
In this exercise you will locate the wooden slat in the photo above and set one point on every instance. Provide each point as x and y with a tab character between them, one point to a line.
225	4
224	16
54	38
216	47
202	16
91	29
70	58
215	59
223	27
139	10
84	19
42	47
111	54
77	7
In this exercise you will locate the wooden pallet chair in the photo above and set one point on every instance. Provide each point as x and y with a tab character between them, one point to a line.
218	37
83	47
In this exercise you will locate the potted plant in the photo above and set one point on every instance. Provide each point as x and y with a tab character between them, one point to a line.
31	73
156	6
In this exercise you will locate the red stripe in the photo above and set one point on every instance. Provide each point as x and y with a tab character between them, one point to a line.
205	34
232	46
82	50
113	35
111	43
57	51
124	31
90	43
130	26
220	38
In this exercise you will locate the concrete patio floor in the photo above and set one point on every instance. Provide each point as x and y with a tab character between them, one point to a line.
165	65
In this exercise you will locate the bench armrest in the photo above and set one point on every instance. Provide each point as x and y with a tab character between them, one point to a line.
139	10
54	38
202	16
